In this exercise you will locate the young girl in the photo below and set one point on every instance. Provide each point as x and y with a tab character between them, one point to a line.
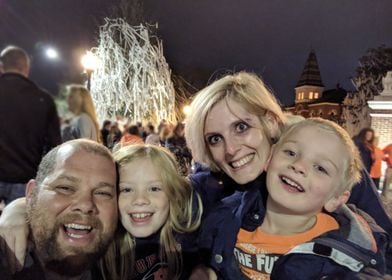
157	208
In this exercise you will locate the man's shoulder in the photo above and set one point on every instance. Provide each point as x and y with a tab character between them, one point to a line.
23	84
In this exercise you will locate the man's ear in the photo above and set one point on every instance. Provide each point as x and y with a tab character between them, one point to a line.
31	185
335	202
273	125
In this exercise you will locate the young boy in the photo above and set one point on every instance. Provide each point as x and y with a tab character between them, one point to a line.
310	174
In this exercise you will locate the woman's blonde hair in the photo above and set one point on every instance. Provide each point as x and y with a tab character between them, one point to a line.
244	88
185	210
87	106
353	163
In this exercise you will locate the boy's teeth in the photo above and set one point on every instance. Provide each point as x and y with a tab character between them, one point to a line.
242	161
292	184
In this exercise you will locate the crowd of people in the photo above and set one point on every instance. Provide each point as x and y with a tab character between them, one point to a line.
270	196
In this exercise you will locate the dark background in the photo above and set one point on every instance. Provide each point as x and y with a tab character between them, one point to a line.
204	38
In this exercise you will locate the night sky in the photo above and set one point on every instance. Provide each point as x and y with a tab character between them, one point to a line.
203	39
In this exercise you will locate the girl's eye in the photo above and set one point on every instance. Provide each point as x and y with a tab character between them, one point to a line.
289	152
214	139
155	189
241	127
125	190
321	169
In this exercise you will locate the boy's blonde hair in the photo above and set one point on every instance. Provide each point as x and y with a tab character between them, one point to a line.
244	88
353	167
182	218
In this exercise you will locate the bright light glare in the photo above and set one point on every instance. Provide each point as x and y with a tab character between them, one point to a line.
90	61
186	109
51	53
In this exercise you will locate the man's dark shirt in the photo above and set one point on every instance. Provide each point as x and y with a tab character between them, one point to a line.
29	127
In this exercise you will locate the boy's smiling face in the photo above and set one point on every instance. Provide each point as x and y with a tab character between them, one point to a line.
306	171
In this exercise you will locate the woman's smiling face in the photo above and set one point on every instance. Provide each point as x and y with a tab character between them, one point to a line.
236	140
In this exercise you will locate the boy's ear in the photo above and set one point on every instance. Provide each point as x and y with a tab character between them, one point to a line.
335	202
29	189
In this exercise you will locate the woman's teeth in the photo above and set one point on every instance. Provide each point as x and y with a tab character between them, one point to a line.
241	162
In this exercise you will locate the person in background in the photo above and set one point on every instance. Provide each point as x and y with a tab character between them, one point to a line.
162	124
164	132
177	145
387	186
29	124
84	124
131	136
152	137
377	156
364	143
105	132
114	135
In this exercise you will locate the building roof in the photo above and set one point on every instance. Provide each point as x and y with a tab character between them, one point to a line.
336	95
311	73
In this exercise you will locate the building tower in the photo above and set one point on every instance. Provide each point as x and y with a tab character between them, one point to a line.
310	85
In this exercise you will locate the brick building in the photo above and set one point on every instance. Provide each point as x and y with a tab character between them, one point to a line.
311	98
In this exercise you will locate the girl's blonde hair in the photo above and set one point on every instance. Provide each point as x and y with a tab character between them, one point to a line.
185	210
353	167
87	106
244	88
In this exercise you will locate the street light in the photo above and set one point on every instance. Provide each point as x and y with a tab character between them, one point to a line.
52	53
90	63
186	110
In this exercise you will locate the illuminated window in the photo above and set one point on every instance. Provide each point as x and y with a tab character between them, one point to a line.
311	95
316	95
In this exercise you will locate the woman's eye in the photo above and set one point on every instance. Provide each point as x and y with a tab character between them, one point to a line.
214	139
289	153
241	127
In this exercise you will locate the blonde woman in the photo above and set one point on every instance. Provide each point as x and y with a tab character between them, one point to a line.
158	210
84	124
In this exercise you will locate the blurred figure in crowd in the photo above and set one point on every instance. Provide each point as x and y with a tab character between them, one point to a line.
377	156
105	132
364	142
29	124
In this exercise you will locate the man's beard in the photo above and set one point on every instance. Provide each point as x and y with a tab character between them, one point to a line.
74	260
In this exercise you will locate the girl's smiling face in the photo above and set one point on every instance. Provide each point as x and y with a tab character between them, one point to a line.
143	203
236	141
